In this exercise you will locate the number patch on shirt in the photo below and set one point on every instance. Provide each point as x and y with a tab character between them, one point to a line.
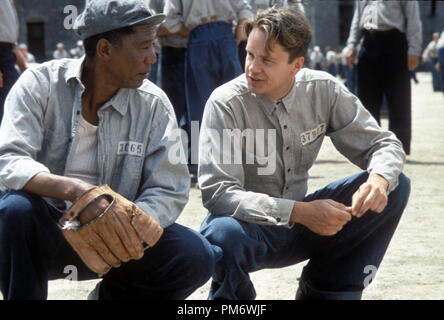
130	147
312	135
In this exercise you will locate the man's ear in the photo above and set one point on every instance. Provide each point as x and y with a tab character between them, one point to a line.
104	49
297	65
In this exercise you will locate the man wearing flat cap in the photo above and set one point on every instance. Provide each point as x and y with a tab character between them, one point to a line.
74	124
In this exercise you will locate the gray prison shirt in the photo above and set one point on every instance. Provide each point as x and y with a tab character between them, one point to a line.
387	15
191	12
136	129
258	178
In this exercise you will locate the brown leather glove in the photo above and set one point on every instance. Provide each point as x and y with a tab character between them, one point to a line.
106	229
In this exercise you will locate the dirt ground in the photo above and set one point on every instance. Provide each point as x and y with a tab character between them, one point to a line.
413	268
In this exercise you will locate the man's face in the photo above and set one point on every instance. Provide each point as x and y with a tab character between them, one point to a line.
269	74
131	62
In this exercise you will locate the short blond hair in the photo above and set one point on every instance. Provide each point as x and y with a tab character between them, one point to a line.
288	27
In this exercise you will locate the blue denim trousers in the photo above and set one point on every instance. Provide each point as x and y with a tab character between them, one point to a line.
33	251
10	75
436	76
441	66
338	265
211	60
351	79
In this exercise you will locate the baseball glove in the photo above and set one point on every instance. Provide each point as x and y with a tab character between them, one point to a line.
106	229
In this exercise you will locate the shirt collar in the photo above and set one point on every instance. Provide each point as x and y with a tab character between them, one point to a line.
120	99
287	101
74	69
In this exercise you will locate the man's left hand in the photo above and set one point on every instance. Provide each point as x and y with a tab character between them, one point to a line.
412	62
371	195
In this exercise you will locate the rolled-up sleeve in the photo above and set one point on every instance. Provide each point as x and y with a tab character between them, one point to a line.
21	131
174	16
414	28
357	135
355	29
222	182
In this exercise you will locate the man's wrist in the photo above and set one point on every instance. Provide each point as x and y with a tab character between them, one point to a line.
297	212
379	180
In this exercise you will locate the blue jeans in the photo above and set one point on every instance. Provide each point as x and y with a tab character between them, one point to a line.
337	264
211	60
351	82
441	66
33	251
10	74
332	70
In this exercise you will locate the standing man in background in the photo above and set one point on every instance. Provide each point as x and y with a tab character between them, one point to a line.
212	52
430	58
440	65
391	47
172	65
9	28
60	52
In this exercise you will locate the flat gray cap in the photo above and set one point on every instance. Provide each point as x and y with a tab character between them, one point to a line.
105	15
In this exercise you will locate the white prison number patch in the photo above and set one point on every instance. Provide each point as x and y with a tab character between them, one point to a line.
312	135
130	147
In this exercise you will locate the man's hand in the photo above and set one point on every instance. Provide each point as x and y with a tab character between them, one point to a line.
239	33
371	195
412	62
351	58
162	31
1	79
437	66
58	187
324	217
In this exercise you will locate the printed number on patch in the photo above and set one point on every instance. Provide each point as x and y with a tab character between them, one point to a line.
312	135
130	147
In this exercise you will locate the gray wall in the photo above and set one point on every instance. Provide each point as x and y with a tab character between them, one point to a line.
51	13
324	16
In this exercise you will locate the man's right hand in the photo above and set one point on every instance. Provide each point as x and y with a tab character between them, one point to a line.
325	217
351	58
1	79
58	187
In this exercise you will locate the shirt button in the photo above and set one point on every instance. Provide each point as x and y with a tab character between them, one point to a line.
287	148
278	219
288	170
285	126
78	112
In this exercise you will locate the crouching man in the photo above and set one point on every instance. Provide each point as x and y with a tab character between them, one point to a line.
260	214
73	125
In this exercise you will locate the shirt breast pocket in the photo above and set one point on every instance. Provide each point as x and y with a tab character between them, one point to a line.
130	168
309	153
